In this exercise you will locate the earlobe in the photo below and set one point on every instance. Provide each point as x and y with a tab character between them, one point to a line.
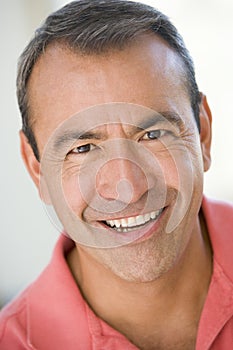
33	167
206	131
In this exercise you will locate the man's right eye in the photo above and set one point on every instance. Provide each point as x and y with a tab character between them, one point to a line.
82	149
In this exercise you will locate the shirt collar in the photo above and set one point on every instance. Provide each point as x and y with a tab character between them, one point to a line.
219	220
57	315
55	306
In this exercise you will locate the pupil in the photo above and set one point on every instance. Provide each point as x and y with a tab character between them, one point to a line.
84	148
154	134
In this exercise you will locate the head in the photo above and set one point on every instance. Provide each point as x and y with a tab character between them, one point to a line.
123	60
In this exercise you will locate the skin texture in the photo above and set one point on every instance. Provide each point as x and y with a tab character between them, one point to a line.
144	288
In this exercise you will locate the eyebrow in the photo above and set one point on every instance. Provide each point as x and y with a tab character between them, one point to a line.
70	137
159	117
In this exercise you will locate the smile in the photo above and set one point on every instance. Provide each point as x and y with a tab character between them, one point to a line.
133	222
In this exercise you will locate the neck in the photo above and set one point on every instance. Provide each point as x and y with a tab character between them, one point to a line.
178	294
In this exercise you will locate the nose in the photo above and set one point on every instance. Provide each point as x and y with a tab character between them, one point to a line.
121	179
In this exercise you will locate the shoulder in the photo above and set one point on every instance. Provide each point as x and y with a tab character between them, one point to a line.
17	316
13	320
50	313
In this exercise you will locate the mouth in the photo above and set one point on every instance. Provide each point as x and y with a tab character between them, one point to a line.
132	223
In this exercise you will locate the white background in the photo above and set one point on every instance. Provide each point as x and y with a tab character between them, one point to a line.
27	236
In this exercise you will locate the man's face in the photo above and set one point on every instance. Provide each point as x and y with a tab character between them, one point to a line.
125	175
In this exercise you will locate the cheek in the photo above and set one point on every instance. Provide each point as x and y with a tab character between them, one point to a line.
177	168
72	192
170	171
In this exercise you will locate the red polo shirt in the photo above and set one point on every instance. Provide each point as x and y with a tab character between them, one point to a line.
51	313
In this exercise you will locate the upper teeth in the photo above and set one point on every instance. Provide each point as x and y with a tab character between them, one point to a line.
134	220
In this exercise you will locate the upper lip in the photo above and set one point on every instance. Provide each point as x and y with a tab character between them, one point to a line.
131	210
130	215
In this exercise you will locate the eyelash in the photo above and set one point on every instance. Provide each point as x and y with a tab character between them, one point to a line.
88	147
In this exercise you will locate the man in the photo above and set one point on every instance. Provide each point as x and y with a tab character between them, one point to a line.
116	136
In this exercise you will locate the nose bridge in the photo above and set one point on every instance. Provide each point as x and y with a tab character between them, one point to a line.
122	177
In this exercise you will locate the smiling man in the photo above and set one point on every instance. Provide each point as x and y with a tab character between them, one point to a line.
116	136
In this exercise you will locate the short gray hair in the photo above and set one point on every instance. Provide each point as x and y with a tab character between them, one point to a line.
94	27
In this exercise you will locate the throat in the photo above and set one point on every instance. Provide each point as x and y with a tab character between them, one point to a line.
169	338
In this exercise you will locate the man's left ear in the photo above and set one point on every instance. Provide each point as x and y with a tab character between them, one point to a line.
206	131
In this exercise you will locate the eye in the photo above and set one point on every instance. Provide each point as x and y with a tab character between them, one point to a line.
82	149
154	134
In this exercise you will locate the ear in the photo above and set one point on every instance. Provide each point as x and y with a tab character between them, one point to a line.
33	167
206	131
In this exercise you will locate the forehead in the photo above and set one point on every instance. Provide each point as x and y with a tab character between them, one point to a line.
63	83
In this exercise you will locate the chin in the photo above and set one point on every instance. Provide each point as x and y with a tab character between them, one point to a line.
138	263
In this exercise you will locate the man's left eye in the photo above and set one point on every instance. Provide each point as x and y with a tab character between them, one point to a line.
154	134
